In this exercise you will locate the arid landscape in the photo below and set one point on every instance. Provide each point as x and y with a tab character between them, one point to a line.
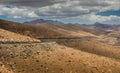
59	36
66	48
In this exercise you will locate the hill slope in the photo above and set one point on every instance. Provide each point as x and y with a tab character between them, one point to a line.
93	46
72	31
7	36
43	30
53	58
29	30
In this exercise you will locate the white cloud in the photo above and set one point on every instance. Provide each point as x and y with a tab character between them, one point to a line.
17	12
92	18
99	18
60	9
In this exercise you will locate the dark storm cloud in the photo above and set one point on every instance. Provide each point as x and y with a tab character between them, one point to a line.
41	3
30	3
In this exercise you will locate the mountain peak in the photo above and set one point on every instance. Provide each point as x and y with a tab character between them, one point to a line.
39	21
97	23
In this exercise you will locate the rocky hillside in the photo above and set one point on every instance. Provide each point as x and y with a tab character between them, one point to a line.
52	58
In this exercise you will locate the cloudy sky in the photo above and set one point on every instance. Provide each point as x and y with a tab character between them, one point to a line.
67	11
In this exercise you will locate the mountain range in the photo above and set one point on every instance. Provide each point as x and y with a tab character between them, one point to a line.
39	21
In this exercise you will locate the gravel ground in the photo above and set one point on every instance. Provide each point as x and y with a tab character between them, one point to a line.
52	58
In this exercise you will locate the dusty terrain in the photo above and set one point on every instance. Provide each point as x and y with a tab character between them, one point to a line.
93	46
52	58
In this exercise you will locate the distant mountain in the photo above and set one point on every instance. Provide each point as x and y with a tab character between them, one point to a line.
105	26
102	26
39	21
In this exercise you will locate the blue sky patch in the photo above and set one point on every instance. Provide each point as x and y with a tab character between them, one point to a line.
110	12
4	17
